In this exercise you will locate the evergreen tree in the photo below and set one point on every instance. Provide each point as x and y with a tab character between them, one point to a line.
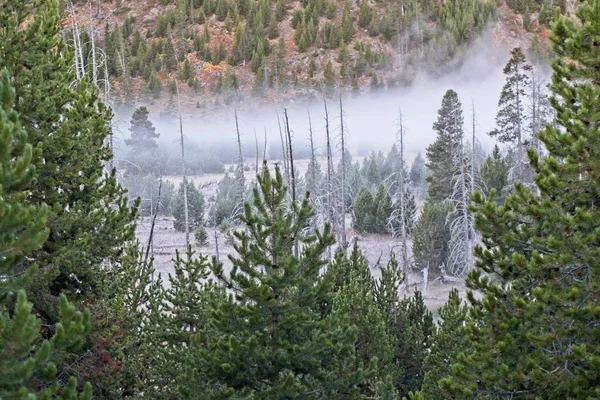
382	205
169	59
186	71
440	154
534	331
275	307
365	14
27	363
431	236
363	213
417	175
512	118
449	341
144	150
409	324
195	208
347	26
494	174
89	218
329	75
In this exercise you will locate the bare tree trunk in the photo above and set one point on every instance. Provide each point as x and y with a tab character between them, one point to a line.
403	230
313	160
330	192
265	146
241	178
343	175
256	163
79	67
473	153
151	236
293	176
93	42
185	183
284	152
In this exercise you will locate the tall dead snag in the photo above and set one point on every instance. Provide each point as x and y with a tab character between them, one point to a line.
313	161
185	183
331	203
256	162
265	146
402	188
151	236
241	181
93	44
292	171
284	153
343	178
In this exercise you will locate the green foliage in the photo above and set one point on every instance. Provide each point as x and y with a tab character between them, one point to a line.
201	236
431	235
449	341
195	201
89	218
27	362
169	59
409	324
418	175
440	154
329	75
534	329
142	157
146	188
363	213
278	293
494	174
186	71
512	118
365	15
347	29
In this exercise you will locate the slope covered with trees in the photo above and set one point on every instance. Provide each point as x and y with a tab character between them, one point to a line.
275	48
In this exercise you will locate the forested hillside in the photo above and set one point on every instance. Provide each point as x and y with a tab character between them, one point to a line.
226	49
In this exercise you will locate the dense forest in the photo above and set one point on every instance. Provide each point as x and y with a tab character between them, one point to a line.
223	49
294	310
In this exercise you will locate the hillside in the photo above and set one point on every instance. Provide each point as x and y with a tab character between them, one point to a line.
223	51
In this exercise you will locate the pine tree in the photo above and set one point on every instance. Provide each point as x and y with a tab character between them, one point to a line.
144	149
431	236
195	208
89	218
169	59
347	26
176	315
186	71
382	205
448	342
494	174
534	330
409	324
417	175
27	363
440	154
363	212
512	118
329	75
278	296
365	14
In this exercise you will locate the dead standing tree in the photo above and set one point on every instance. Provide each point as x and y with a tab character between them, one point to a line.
343	243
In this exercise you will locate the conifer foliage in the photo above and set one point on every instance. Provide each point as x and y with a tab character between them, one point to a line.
535	331
27	364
